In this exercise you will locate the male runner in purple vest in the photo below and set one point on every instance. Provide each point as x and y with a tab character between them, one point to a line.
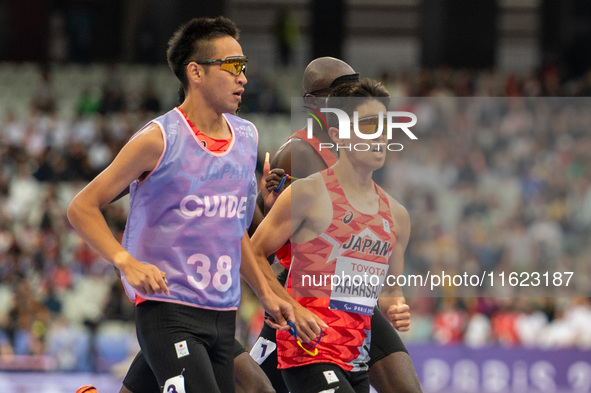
186	235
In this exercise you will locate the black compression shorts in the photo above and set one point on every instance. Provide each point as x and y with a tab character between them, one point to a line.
325	377
209	336
141	379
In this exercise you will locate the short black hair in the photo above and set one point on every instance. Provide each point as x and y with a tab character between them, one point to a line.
363	90
192	41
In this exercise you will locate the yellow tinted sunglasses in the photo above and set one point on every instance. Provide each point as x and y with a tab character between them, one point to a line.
233	64
370	124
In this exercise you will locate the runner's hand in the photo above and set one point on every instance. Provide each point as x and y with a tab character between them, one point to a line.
145	278
269	183
399	316
307	323
279	310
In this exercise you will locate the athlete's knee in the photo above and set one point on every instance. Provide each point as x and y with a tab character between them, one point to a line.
409	387
263	388
259	384
395	370
249	376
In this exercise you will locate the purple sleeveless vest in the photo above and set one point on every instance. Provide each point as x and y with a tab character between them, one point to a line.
189	215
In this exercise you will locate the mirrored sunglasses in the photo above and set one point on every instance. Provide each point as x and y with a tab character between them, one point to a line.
370	124
233	64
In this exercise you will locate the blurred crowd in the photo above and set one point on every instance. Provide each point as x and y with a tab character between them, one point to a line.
498	185
495	184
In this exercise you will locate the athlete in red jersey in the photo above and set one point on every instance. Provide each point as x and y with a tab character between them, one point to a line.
391	368
309	213
356	240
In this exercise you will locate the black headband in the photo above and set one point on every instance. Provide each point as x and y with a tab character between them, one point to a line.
337	82
345	79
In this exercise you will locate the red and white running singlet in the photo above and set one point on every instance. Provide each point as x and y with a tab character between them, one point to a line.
355	244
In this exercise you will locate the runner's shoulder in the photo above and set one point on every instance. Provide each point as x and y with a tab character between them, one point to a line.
300	146
299	158
309	187
151	137
399	214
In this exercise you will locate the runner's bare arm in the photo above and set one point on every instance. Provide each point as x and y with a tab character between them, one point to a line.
137	157
287	217
392	302
273	232
253	272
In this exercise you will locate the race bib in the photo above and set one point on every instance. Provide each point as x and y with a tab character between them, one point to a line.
261	350
356	285
175	385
